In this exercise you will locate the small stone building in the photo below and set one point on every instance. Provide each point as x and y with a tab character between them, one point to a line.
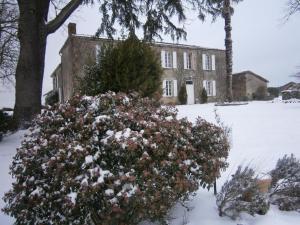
193	66
247	85
291	91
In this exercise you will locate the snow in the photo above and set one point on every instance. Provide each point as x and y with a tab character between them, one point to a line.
89	159
262	132
7	151
73	196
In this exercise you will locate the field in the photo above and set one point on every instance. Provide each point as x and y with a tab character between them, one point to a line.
262	132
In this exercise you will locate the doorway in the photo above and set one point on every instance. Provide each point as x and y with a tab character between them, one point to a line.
190	92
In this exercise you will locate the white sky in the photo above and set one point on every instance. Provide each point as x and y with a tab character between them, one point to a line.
262	41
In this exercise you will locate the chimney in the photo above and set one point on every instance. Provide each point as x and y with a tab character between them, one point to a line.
71	29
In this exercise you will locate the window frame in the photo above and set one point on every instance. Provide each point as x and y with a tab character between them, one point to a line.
168	59
169	88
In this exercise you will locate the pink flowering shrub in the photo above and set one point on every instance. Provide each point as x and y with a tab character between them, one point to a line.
109	159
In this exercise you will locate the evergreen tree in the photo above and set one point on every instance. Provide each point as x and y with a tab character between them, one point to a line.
129	66
203	96
182	95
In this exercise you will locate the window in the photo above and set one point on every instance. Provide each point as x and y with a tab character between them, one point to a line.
208	62
168	88
55	82
168	60
187	63
210	87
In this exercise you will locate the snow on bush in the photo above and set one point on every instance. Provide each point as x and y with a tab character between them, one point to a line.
214	146
285	185
110	159
242	194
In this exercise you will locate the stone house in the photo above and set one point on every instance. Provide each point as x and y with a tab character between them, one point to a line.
193	66
246	84
291	90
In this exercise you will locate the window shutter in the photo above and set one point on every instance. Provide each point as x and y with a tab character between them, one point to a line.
164	88
213	62
214	88
174	59
60	95
184	60
203	61
163	65
175	88
204	84
97	53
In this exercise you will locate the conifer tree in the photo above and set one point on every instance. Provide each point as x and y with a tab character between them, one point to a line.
129	66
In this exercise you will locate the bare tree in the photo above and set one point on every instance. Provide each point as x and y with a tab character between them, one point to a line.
9	46
293	7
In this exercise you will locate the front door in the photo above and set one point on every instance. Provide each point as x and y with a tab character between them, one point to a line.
190	92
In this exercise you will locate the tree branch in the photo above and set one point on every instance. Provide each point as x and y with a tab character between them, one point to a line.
64	14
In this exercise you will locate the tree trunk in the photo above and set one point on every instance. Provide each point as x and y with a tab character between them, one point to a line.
228	46
32	33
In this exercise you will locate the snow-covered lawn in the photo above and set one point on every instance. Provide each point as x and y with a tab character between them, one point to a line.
262	132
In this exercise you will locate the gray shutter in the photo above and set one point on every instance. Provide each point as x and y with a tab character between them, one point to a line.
213	62
214	88
184	60
163	53
175	88
97	52
60	97
174	59
203	61
164	88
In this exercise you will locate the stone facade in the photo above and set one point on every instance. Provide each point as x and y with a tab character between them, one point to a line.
193	66
246	84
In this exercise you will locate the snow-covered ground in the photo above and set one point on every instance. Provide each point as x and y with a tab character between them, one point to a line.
262	132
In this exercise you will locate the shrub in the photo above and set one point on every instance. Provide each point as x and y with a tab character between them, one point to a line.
109	159
130	65
285	185
52	98
203	96
7	123
182	95
273	91
213	141
241	194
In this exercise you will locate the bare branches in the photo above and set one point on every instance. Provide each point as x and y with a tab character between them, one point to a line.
63	15
9	45
293	6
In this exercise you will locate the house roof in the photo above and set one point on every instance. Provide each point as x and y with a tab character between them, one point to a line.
243	73
286	86
90	37
292	87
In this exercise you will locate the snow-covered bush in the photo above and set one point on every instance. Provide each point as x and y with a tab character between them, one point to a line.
109	159
285	185
242	194
214	145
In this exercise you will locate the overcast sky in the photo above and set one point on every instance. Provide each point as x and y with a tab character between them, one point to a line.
262	41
